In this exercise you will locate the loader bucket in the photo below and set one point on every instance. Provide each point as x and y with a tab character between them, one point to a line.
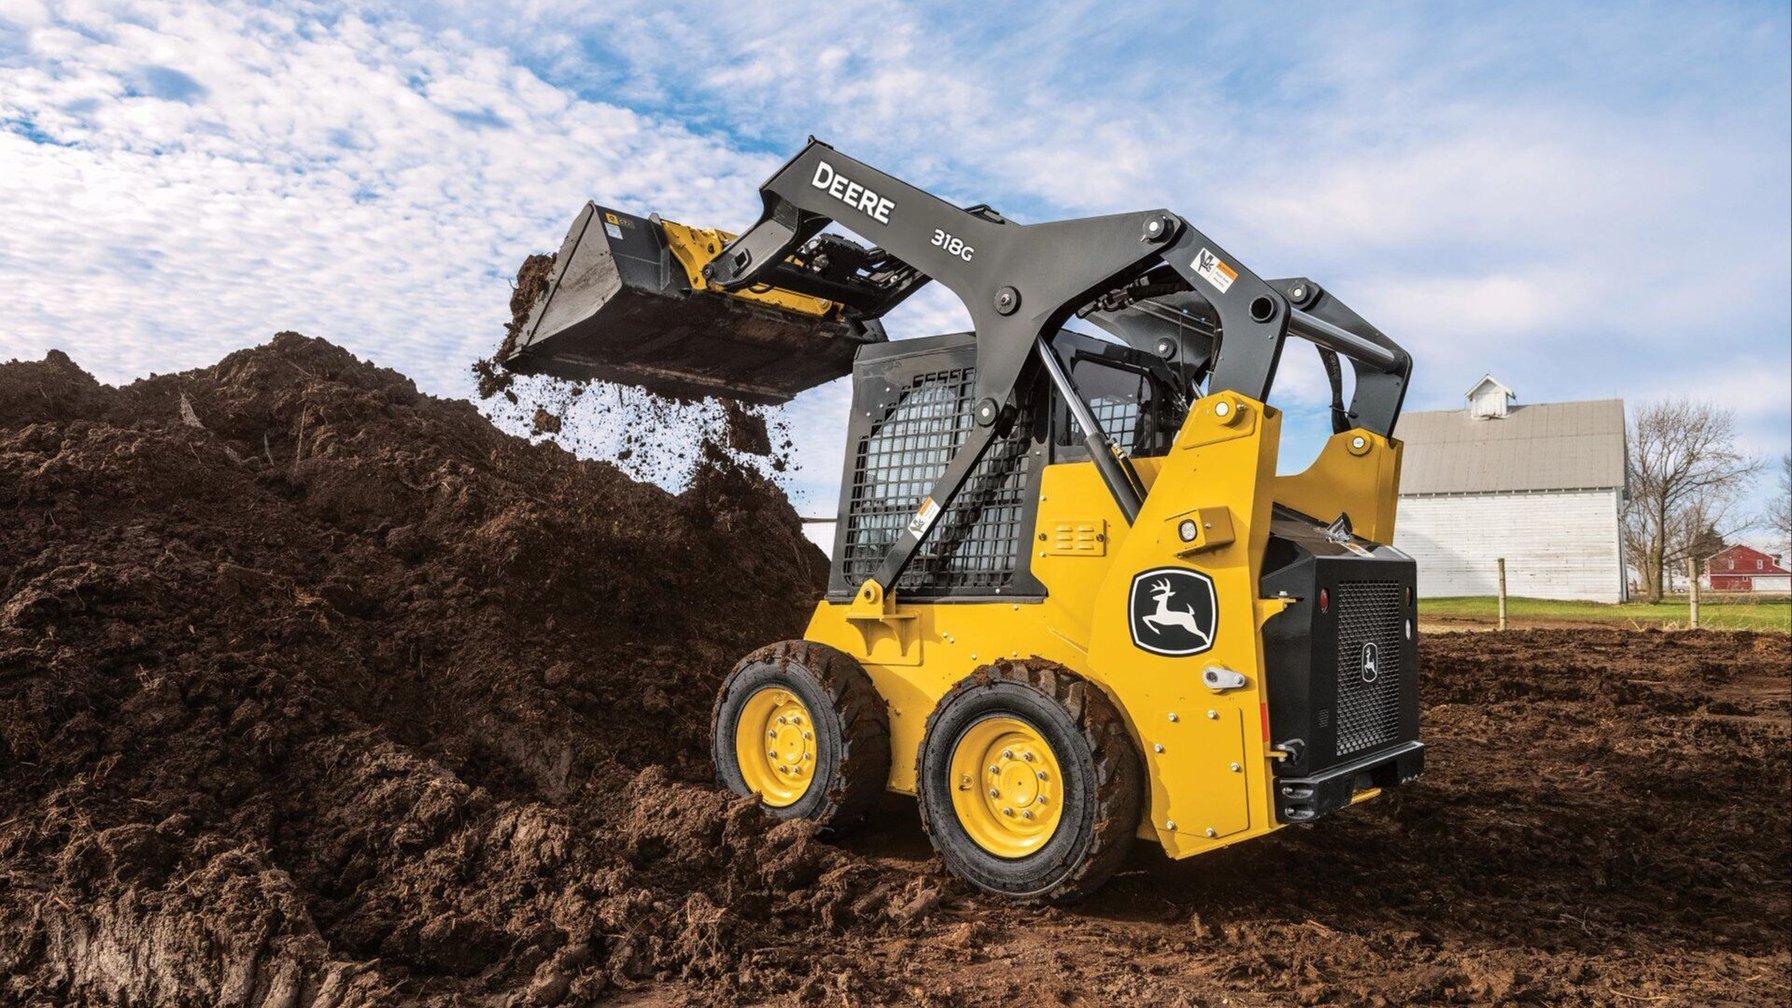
620	306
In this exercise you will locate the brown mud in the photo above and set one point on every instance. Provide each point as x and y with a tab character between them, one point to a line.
315	690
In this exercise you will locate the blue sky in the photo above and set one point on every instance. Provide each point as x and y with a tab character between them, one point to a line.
1588	200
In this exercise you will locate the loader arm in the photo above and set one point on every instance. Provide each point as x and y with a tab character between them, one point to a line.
1021	283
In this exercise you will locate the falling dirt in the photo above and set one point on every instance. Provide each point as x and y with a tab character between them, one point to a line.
547	422
315	690
746	430
650	437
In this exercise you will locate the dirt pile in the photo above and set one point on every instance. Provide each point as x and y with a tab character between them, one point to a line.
316	690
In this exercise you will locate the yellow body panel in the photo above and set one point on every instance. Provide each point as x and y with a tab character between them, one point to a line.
1206	754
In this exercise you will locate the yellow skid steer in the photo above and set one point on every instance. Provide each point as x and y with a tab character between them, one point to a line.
1071	601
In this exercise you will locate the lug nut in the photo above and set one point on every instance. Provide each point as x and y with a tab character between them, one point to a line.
1027	756
771	734
1008	812
1040	775
808	735
1028	814
993	793
783	720
995	769
773	753
1007	754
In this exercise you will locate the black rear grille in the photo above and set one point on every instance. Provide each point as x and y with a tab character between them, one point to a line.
1371	629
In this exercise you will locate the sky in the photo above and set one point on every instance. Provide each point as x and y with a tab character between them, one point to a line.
1586	200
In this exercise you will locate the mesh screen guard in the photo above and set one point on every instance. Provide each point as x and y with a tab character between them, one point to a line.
976	542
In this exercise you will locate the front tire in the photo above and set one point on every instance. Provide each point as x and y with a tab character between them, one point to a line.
799	725
1028	782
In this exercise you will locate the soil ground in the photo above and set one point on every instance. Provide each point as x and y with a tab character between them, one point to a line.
318	691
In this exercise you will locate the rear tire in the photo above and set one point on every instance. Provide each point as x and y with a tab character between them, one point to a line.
1029	736
800	725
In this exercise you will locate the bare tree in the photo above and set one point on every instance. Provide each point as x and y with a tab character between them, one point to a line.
1685	478
1778	518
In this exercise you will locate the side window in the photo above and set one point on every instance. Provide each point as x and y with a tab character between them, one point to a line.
1123	400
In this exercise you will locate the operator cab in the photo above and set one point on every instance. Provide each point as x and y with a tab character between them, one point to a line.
912	409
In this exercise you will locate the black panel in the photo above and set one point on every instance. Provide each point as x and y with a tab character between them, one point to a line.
1343	680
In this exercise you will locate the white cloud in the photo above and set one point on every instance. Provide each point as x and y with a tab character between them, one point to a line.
1586	205
367	183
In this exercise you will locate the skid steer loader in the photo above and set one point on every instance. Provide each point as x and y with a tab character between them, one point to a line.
1071	600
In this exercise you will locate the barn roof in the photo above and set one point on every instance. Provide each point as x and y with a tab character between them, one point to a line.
1544	446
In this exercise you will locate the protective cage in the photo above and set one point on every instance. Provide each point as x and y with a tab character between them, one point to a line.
912	411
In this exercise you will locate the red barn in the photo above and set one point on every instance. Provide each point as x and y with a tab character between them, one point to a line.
1746	569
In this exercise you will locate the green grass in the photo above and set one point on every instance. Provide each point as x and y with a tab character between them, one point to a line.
1715	613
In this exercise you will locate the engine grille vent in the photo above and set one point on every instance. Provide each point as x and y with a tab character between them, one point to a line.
1371	625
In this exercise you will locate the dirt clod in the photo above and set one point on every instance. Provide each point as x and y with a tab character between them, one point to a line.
746	430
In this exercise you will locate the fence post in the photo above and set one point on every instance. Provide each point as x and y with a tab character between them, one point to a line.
1692	591
1502	563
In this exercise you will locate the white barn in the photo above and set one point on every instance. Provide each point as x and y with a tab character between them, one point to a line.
1541	485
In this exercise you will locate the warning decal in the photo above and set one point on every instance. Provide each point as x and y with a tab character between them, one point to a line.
923	519
1214	270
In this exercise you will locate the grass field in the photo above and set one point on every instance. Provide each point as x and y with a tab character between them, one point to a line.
1715	613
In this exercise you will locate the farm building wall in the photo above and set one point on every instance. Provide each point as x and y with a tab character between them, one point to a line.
1760	584
1557	545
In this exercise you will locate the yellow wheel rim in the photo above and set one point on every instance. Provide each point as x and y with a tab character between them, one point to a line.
1007	789
774	743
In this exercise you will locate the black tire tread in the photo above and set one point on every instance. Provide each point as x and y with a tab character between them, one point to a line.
1119	777
865	726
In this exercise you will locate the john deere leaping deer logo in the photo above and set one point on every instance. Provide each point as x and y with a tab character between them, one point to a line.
1173	611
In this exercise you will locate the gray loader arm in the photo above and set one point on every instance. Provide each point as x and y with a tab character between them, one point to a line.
1022	282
